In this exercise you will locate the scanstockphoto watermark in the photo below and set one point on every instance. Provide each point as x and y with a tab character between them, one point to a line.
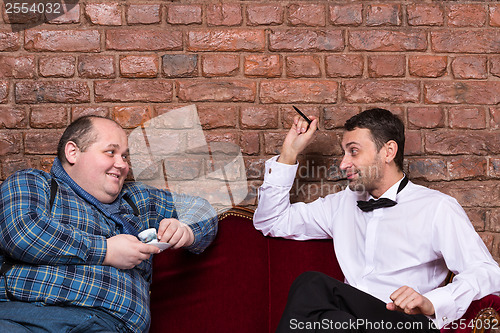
358	324
25	14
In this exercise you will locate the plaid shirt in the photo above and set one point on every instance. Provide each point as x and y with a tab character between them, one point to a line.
62	250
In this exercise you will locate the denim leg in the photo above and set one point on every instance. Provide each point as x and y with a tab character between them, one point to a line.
21	317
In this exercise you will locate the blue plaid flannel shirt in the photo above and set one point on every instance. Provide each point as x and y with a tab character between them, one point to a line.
62	251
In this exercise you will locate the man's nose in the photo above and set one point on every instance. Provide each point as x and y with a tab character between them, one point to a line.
345	163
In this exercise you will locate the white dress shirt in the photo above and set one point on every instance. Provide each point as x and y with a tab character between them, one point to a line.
414	243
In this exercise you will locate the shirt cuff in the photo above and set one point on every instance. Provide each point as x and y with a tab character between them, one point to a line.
279	174
444	311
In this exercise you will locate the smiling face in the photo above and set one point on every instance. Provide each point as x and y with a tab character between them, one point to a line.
102	168
363	165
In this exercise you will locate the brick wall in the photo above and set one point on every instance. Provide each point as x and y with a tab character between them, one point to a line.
244	63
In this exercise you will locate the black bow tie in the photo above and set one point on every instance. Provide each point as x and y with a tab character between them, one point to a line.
368	206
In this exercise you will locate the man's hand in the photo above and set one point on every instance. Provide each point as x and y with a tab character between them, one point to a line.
126	251
407	300
175	233
297	139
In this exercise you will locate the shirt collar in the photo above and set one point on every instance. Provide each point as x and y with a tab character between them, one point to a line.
392	192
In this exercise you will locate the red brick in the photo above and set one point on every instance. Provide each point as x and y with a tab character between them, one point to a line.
273	142
259	116
466	15
462	142
11	165
288	114
29	18
467	167
13	117
224	14
143	14
467	117
373	91
425	14
264	14
263	65
133	91
235	40
139	66
460	92
217	116
62	40
298	91
386	66
427	65
220	65
303	66
344	65
324	143
17	67
463	41
216	91
413	143
255	167
494	171
387	40
143	40
41	142
4	91
9	41
336	116
80	111
132	116
346	14
180	65
10	143
96	66
494	224
494	118
429	169
306	40
184	14
71	14
250	145
425	117
495	66
313	15
49	117
478	218
35	92
104	13
212	136
494	14
57	66
469	67
473	194
383	15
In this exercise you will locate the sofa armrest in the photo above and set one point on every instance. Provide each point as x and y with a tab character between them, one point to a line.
481	316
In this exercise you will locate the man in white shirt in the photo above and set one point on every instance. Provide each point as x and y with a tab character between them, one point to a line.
395	252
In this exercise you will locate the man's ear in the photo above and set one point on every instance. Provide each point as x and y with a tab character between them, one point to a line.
391	148
71	151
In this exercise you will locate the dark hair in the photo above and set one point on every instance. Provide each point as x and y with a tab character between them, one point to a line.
81	132
384	126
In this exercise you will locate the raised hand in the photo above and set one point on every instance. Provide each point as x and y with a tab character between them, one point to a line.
300	135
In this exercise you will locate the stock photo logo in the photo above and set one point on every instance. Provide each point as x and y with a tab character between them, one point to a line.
25	14
170	152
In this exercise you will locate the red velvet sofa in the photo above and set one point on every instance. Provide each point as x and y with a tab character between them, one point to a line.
240	283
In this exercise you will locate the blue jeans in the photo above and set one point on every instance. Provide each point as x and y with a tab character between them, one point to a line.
21	317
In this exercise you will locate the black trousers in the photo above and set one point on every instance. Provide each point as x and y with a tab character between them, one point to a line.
319	303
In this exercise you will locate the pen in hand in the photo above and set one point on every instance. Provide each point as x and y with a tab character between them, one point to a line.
304	116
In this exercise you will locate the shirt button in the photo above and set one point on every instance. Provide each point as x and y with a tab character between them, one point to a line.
445	318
